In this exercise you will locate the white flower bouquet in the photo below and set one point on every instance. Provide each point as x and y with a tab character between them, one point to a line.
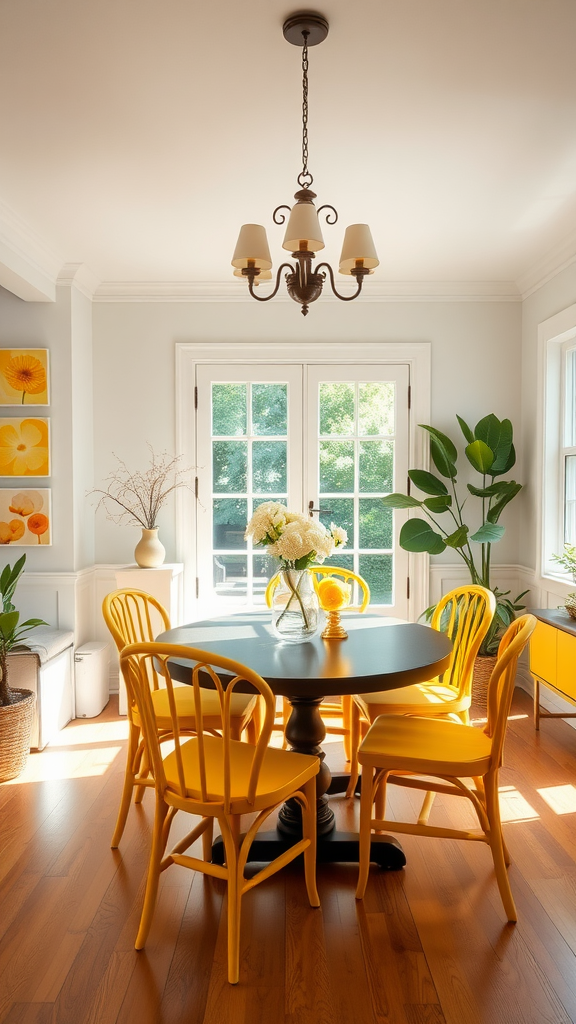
297	541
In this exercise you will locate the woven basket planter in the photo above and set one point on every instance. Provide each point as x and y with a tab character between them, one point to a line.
15	728
483	667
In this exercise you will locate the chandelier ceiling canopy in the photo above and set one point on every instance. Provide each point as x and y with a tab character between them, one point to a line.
303	235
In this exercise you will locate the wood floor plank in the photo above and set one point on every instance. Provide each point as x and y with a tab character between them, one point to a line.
428	945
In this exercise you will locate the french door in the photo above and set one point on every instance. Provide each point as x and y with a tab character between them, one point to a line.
327	439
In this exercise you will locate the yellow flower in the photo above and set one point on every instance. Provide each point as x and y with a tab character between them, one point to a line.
26	374
11	531
26	502
24	448
333	594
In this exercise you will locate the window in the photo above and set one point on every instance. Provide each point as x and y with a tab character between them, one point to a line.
568	447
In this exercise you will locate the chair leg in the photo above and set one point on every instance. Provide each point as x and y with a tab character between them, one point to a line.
286	712
354	734
234	895
159	839
497	846
426	807
207	840
346	723
309	832
133	740
365	831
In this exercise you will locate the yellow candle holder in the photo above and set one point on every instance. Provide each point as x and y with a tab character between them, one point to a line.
333	630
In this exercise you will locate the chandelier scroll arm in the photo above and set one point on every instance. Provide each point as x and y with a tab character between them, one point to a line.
326	206
282	218
358	274
266	298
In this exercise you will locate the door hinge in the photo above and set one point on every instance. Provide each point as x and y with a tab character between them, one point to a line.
196	487
409	396
196	397
197	587
408	486
407	588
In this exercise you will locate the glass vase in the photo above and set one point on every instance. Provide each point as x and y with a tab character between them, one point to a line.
294	606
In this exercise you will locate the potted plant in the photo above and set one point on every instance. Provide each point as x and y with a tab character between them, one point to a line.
568	562
140	496
16	706
490	451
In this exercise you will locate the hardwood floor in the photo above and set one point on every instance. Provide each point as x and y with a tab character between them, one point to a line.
428	945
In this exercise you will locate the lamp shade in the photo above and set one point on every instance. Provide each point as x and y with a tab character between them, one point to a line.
252	245
358	245
303	230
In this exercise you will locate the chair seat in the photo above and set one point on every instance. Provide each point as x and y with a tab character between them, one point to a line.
282	773
241	706
418	699
412	744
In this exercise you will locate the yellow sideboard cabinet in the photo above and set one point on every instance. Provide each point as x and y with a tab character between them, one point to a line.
553	659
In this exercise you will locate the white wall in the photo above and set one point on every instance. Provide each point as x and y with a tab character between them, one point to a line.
475	359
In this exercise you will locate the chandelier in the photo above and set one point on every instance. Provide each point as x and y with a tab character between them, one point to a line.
303	237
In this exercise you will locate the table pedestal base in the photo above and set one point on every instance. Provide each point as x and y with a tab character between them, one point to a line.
333	848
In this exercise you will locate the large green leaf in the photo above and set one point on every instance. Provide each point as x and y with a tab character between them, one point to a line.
506	496
442	439
457	539
488	429
418	535
488	533
427	482
490	491
499	469
503	449
480	456
468	433
439	503
8	623
401	501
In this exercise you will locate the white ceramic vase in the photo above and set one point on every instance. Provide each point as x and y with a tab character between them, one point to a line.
149	552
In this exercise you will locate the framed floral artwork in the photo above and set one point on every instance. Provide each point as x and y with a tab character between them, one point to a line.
24	376
24	446
25	517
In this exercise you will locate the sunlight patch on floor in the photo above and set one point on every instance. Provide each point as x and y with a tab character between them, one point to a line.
514	807
561	799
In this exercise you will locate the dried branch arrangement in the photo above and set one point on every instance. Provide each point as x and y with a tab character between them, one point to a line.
141	495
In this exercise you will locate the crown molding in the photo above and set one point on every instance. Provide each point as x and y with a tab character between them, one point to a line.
28	267
548	266
79	275
373	291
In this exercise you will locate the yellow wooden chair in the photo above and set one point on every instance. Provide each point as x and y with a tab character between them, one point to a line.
132	616
464	615
342	707
217	777
399	749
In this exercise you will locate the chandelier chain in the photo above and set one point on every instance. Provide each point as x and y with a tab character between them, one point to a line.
305	178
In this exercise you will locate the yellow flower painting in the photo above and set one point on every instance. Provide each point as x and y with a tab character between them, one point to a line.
25	517
24	447
24	376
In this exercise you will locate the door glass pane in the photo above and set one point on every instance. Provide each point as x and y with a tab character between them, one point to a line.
229	466
230	575
336	408
377	571
336	466
269	408
339	511
376	466
229	522
375	524
228	410
376	407
269	466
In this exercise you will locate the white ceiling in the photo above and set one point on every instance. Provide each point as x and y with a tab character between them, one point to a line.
137	135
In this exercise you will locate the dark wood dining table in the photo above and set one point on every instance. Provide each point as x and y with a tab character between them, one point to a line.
379	654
